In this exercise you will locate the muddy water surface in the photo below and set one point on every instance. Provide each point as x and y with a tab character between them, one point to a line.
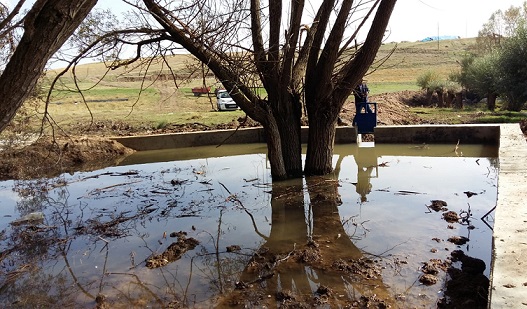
206	227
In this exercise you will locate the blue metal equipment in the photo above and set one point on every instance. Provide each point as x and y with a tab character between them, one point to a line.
365	121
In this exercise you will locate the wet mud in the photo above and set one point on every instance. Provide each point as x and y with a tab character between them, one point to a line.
173	252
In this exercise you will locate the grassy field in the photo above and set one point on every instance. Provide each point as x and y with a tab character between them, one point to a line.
125	97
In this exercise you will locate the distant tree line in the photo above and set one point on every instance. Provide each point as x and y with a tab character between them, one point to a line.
498	67
495	68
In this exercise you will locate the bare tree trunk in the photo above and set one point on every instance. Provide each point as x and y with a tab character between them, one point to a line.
280	67
274	150
289	126
450	97
429	95
440	98
46	27
459	100
491	101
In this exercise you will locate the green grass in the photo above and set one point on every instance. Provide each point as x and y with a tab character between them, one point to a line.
384	87
502	117
469	114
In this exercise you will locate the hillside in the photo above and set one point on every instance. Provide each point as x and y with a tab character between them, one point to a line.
125	99
409	60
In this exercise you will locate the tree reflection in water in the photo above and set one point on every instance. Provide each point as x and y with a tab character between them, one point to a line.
72	258
308	259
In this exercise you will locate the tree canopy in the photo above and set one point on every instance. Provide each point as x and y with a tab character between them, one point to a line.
499	69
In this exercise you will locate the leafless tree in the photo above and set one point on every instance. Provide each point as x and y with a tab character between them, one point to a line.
294	50
500	25
290	58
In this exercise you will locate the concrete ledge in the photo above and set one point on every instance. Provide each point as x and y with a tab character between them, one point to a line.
509	241
466	134
430	134
192	139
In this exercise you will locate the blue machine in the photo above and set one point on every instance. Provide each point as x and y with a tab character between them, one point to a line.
364	121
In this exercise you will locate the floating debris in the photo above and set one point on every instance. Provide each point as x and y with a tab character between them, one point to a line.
470	194
172	253
233	248
31	218
458	240
451	216
438	205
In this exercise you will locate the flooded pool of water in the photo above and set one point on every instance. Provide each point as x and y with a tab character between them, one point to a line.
207	227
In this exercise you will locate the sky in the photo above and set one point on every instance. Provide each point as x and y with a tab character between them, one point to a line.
414	20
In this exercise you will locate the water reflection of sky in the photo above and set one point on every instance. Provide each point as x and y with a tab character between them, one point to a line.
194	195
398	217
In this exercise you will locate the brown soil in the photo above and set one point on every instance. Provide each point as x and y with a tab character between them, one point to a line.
92	149
52	156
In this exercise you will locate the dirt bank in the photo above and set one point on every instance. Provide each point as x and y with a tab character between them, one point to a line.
49	157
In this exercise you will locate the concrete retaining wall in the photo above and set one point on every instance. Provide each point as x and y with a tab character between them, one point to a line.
465	134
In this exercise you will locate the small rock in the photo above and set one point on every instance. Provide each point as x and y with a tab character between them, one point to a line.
233	248
428	279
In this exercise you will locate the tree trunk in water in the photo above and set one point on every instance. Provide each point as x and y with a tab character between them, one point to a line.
274	150
46	27
291	140
491	101
320	145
